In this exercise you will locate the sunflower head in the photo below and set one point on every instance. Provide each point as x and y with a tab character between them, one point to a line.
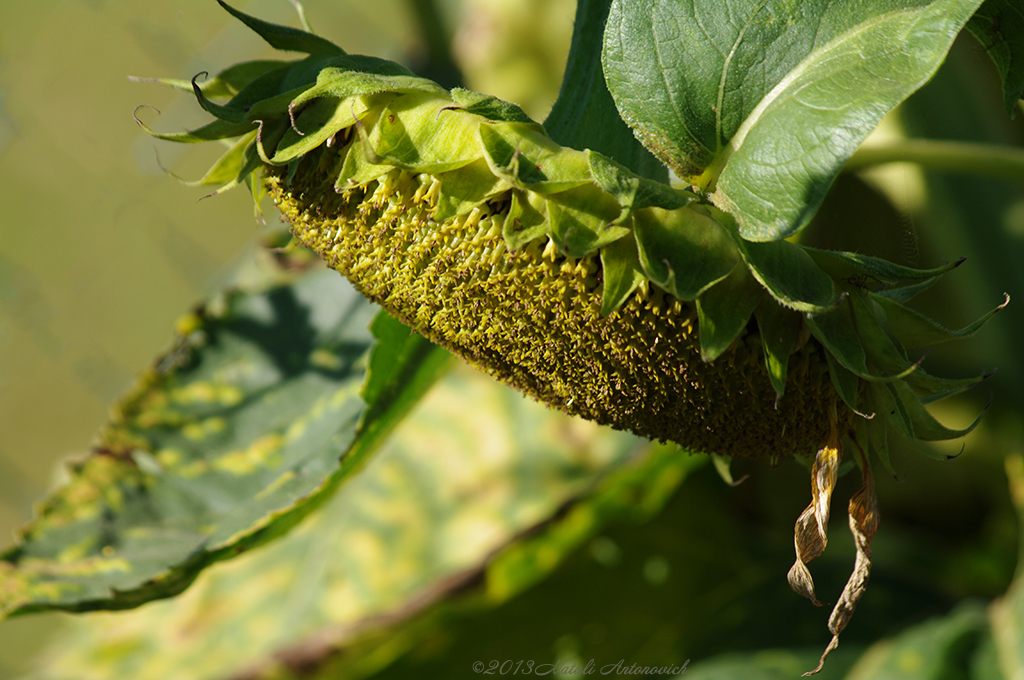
597	291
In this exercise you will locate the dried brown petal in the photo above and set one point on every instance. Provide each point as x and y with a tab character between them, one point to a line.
810	536
864	521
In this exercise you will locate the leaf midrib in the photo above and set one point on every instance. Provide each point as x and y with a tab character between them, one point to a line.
812	59
719	142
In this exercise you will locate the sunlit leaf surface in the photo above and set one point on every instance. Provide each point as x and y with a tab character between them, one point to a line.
764	100
226	442
471	470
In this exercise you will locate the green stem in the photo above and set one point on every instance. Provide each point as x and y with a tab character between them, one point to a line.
584	115
439	66
976	159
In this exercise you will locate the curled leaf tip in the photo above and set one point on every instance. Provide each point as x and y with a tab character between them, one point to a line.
135	114
291	118
159	164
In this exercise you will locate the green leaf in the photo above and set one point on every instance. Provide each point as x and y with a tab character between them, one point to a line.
916	330
218	129
405	136
622	271
632	191
877	436
355	74
683	251
474	469
898	404
238	111
229	167
284	37
724	310
753	97
276	92
999	27
940	648
584	115
227	83
866	270
845	382
489	107
790	275
526	220
311	127
837	330
520	154
583	218
465	188
855	339
225	443
903	294
780	330
887	358
402	366
356	170
233	79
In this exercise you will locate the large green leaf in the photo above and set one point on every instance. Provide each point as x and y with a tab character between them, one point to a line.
999	27
472	470
229	440
766	101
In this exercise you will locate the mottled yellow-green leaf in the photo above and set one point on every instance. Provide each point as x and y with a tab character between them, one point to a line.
467	474
226	442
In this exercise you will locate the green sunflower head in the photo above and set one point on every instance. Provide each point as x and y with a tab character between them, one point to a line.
561	272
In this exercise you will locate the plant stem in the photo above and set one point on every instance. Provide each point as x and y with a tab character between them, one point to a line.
439	65
584	115
976	159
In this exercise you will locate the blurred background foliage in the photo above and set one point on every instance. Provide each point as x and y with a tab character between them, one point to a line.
100	252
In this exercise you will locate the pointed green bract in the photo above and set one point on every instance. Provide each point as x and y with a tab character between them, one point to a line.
526	220
916	330
790	275
724	310
582	220
780	333
872	271
283	37
845	381
684	251
631	191
622	273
